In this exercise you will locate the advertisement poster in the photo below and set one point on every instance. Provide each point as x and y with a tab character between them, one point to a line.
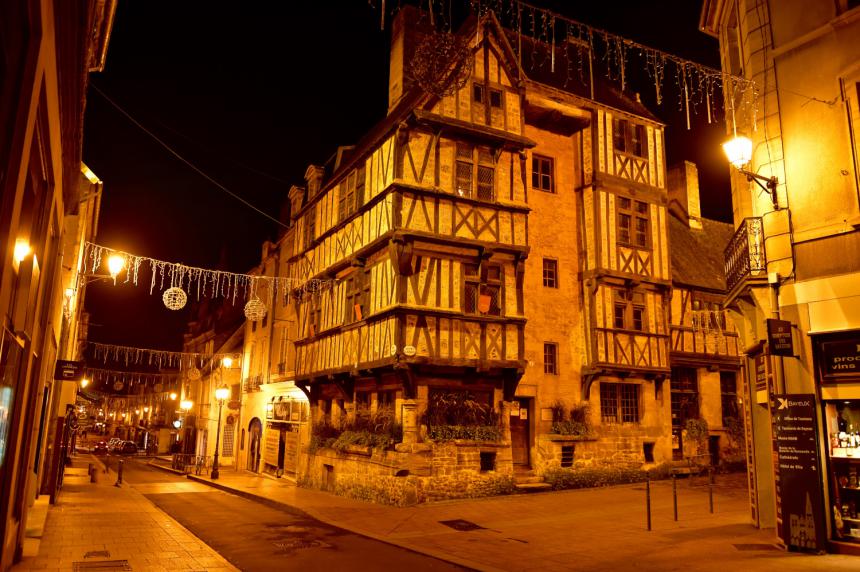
798	492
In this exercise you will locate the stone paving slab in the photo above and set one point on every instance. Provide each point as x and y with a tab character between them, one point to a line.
588	529
100	517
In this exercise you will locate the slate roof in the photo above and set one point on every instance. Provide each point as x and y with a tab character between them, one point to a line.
696	256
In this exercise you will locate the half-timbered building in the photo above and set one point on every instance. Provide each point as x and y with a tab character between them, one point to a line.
418	255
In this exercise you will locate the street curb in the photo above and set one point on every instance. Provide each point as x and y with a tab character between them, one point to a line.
258	498
155	465
468	564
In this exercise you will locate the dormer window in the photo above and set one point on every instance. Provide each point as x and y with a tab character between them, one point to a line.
482	94
629	137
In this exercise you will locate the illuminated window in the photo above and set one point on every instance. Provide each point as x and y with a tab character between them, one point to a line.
475	172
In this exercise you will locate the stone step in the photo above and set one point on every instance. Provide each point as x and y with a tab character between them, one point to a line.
533	487
527	479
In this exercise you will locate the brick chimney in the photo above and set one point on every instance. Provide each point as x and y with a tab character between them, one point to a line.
406	35
683	183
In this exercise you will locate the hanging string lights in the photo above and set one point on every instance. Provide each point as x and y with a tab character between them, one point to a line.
129	355
182	280
552	36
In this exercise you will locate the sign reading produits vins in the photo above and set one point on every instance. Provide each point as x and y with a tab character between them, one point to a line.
840	358
800	509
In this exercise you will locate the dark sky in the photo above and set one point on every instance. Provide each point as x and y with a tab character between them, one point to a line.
254	92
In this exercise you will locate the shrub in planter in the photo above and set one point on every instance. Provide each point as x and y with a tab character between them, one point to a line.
458	415
572	422
601	476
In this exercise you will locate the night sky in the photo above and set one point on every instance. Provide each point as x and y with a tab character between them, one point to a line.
252	93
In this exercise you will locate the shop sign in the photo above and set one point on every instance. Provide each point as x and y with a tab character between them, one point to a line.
760	372
272	441
66	370
799	504
779	341
840	358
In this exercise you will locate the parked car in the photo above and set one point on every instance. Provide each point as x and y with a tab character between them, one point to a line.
100	448
127	448
113	444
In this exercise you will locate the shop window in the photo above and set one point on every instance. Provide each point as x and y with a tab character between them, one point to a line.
482	290
475	172
550	273
729	396
386	399
542	173
550	358
629	137
629	311
632	222
619	403
362	400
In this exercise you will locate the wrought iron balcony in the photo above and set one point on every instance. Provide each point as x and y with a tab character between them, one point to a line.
253	383
745	256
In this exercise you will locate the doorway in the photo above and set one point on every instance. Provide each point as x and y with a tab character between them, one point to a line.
255	433
519	417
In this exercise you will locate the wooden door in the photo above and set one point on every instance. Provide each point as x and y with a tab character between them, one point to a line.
520	432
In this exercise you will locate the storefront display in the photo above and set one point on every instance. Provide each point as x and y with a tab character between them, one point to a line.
843	426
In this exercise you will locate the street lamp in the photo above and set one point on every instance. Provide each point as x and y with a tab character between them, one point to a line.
221	394
115	265
739	152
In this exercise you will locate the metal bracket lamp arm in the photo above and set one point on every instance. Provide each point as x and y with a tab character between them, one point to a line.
769	185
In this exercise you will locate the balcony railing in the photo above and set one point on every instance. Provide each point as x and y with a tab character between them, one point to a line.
253	383
745	256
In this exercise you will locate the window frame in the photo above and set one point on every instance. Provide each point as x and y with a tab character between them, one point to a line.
474	159
615	403
310	225
630	311
356	292
538	175
550	358
629	215
476	282
629	137
730	396
551	280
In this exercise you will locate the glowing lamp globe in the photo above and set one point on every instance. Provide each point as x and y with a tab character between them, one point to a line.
173	395
115	264
227	362
177	423
738	151
21	250
222	393
85	382
185	404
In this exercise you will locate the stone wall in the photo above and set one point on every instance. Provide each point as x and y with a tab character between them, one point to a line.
413	474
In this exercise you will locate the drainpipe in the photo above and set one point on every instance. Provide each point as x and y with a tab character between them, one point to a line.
779	365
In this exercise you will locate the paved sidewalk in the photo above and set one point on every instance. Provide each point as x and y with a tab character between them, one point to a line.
99	522
588	530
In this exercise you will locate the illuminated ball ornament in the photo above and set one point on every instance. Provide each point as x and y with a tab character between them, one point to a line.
193	374
255	310
174	298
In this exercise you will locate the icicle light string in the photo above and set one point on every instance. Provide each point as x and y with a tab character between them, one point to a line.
120	380
129	355
212	283
696	83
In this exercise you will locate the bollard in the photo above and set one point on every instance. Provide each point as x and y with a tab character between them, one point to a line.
675	496
648	499
94	475
711	489
119	474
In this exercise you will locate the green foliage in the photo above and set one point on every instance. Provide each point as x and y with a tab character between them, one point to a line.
735	432
467	432
379	430
697	430
602	476
570	422
458	415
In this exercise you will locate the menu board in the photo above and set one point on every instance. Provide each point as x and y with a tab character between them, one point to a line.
273	439
800	509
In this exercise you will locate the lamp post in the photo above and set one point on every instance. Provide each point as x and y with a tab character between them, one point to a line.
185	405
739	152
221	395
